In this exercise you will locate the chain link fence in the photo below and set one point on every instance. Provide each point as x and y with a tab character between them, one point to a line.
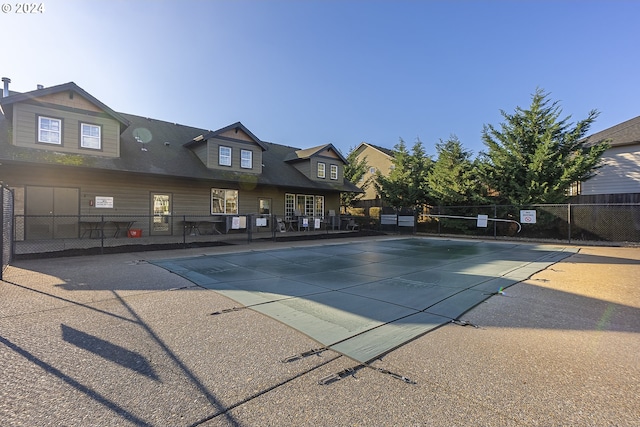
56	235
6	225
577	223
32	236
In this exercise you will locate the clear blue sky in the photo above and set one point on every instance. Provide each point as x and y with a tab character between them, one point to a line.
306	73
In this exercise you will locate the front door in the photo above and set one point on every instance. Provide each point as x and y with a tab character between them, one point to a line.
161	214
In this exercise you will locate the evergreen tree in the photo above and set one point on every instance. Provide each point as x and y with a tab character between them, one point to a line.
452	179
536	156
406	185
354	172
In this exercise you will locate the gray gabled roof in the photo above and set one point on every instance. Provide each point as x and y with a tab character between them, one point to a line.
625	133
307	153
71	86
167	153
237	126
383	150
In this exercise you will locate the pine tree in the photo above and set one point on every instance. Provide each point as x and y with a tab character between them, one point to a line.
406	185
536	156
354	171
452	179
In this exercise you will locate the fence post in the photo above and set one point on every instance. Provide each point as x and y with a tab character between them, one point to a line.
569	221
2	242
495	223
184	231
273	220
249	227
438	219
101	234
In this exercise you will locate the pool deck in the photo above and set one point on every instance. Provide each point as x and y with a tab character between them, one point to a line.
115	340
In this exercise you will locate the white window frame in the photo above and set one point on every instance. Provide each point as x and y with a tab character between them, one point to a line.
224	201
224	155
334	172
289	205
90	141
45	135
308	205
246	159
322	170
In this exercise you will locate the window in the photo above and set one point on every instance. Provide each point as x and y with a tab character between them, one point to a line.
264	206
304	204
334	171
90	136
372	170
224	156
246	159
319	211
49	130
289	205
321	170
224	201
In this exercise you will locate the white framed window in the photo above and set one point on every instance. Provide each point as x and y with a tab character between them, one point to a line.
224	201
246	159
90	136
319	209
49	130
289	205
303	204
321	170
224	156
334	171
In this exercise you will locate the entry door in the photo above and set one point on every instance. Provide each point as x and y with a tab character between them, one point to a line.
51	212
161	212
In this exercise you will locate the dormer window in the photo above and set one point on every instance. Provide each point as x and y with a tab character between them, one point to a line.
321	170
90	136
246	159
224	156
334	171
49	130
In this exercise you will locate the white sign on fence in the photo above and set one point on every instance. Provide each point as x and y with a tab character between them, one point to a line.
482	220
528	216
388	219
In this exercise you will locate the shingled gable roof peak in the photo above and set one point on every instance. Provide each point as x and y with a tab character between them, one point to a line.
70	86
237	126
383	150
310	152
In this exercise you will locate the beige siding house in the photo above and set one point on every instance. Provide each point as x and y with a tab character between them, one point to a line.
67	154
378	159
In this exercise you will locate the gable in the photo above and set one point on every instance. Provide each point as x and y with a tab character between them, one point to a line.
237	133
68	99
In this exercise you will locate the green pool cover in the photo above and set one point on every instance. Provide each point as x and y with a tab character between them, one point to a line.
365	299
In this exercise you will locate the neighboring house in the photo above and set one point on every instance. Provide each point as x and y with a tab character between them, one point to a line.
378	159
618	180
66	153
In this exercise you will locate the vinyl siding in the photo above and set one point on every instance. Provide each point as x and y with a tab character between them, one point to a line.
620	173
132	192
236	147
25	124
378	160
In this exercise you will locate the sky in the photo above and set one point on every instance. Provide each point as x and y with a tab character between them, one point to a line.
306	73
